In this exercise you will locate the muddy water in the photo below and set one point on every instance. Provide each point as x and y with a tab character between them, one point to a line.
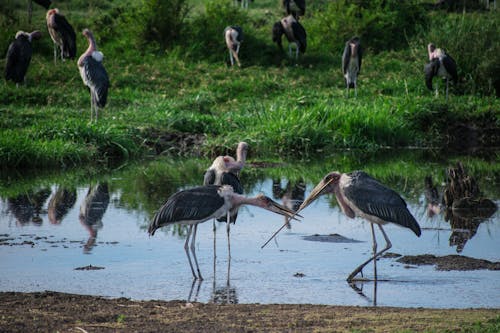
52	224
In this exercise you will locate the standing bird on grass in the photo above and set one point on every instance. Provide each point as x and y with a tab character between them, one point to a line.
19	56
441	64
358	194
295	33
351	64
94	75
233	36
44	3
225	171
295	8
200	204
62	33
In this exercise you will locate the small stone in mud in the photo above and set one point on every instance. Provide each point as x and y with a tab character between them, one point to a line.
299	275
391	255
332	238
88	268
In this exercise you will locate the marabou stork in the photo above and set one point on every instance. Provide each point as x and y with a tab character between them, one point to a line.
92	210
199	204
441	64
358	194
295	33
62	33
94	75
351	63
295	7
19	56
225	171
233	36
44	3
244	3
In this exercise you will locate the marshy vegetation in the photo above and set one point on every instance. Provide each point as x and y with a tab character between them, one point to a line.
170	83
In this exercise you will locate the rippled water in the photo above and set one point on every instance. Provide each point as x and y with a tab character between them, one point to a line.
43	240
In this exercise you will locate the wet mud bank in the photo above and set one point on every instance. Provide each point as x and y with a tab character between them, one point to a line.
52	311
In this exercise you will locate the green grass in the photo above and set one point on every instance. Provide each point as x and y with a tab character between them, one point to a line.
282	108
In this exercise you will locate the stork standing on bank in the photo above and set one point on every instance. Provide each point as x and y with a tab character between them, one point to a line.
295	33
94	75
233	36
19	56
225	170
351	64
358	194
441	64
200	204
44	3
62	33
295	8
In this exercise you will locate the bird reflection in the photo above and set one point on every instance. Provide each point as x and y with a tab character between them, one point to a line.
60	203
292	195
358	287
27	207
92	210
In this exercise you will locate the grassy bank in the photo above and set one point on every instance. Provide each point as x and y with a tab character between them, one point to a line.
162	96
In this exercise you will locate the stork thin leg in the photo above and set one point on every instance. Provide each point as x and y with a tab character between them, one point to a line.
228	229
55	53
186	246
231	57
360	267
355	88
447	90
193	239
374	252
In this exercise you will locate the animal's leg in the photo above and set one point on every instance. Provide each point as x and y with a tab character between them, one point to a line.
186	246
194	252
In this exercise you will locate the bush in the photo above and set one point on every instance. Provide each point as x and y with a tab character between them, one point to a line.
381	24
472	41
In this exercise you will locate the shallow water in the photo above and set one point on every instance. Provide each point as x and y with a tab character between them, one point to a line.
39	251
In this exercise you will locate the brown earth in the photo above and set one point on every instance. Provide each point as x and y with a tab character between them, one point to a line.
59	312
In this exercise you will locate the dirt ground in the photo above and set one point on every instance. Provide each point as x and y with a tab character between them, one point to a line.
59	312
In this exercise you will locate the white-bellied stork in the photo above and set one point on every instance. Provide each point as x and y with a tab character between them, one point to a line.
358	194
19	56
200	204
225	170
351	63
62	33
441	64
233	36
295	33
294	7
94	75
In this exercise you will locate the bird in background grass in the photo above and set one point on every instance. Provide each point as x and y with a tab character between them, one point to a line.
19	56
351	64
62	33
294	32
233	36
441	64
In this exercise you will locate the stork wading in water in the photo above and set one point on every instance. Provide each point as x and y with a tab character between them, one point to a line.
19	56
351	64
295	33
62	33
44	3
233	36
200	204
441	64
295	8
358	194
94	75
225	170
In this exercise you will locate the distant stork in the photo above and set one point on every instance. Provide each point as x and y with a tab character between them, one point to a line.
295	33
351	63
44	3
94	75
62	33
295	7
200	204
441	64
19	56
233	36
225	171
244	3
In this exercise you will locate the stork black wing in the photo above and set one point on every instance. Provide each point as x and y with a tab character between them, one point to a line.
229	178
451	67
97	79
18	59
375	199
209	177
300	35
196	204
346	56
68	36
430	71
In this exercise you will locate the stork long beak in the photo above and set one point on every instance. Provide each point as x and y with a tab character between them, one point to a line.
315	193
275	207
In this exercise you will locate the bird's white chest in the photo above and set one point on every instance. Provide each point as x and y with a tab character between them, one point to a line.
352	70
